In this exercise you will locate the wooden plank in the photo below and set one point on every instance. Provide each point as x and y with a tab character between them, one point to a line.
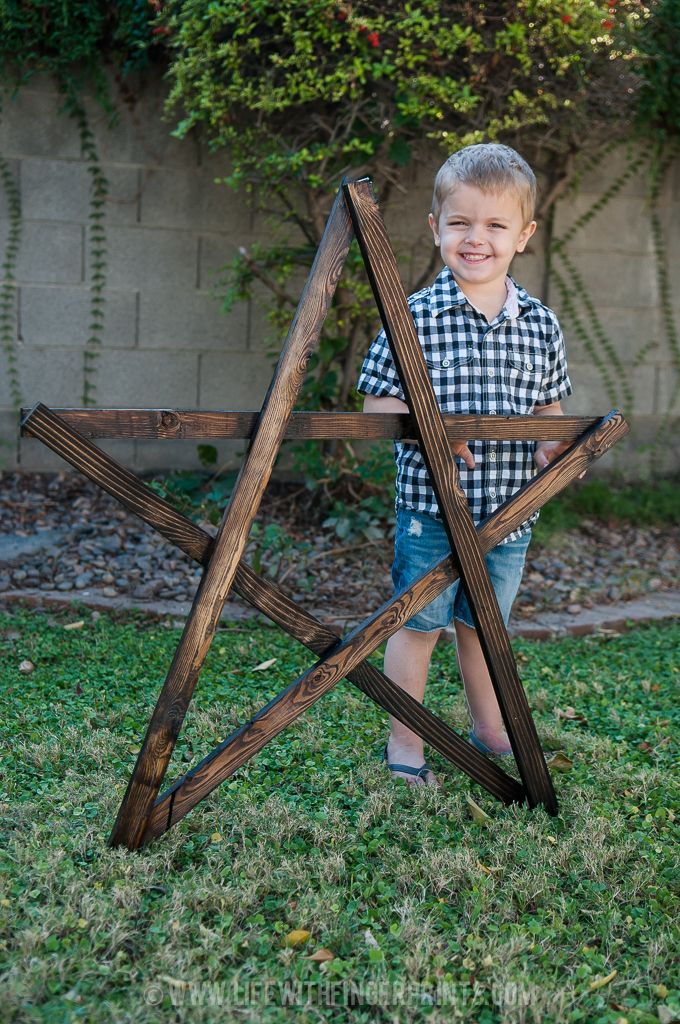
245	741
173	424
136	496
264	595
167	718
399	327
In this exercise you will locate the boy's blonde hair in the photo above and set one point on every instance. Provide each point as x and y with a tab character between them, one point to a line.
490	167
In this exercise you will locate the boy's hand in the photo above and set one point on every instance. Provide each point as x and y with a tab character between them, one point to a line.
546	451
463	452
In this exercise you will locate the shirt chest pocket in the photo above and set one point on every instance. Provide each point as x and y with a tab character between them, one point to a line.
524	373
453	380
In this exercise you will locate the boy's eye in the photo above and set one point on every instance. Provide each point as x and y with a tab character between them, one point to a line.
498	225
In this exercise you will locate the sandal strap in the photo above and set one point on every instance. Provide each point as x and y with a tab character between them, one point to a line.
408	769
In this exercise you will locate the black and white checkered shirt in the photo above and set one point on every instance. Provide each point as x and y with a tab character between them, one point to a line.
506	367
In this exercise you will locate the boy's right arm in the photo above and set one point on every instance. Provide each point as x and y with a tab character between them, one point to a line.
387	403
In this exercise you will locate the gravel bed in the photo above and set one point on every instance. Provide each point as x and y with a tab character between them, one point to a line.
94	544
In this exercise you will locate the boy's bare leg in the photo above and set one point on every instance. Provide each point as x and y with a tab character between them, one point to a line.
407	660
485	713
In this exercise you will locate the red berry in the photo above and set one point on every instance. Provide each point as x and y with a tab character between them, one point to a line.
373	38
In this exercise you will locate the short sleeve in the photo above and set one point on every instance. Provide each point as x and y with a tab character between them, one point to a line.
555	384
379	374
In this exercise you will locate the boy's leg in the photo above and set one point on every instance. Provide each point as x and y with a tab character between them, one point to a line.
407	660
485	713
505	564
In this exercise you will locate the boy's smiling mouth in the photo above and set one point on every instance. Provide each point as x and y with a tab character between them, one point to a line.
475	257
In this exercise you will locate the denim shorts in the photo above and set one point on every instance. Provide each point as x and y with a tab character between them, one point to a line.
420	542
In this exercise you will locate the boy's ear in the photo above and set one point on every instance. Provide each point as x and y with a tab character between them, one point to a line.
435	232
526	235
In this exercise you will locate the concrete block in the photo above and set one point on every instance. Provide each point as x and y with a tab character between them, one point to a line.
60	190
591	397
622	226
233	381
35	457
613	278
667	391
629	330
147	258
215	251
601	177
33	124
670	222
141	135
54	190
178	198
60	315
9	439
190	319
151	456
50	375
263	336
148	379
48	253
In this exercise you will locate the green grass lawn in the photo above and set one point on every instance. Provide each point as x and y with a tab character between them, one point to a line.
437	917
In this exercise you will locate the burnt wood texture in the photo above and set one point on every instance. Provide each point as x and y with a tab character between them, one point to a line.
174	424
144	814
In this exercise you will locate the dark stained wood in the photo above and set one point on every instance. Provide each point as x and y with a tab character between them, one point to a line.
171	424
166	720
381	268
138	498
245	741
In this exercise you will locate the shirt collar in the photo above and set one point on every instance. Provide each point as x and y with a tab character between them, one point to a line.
445	294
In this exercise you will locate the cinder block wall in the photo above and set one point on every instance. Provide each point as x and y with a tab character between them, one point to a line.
170	228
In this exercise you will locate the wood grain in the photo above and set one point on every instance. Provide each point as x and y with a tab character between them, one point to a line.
232	535
245	741
138	498
173	424
383	275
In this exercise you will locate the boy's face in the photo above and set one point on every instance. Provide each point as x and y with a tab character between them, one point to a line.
478	233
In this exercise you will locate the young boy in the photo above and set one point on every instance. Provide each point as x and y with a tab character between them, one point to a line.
490	349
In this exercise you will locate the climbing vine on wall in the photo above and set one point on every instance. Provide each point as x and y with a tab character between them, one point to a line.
8	288
653	151
82	45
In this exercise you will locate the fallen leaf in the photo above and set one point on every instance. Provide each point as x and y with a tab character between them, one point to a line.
216	837
666	1014
264	665
559	762
297	937
26	667
476	812
551	839
571	714
601	982
75	625
371	939
321	956
661	991
645	746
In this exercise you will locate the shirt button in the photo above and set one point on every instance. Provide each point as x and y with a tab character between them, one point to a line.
490	372
492	493
492	456
530	366
446	362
